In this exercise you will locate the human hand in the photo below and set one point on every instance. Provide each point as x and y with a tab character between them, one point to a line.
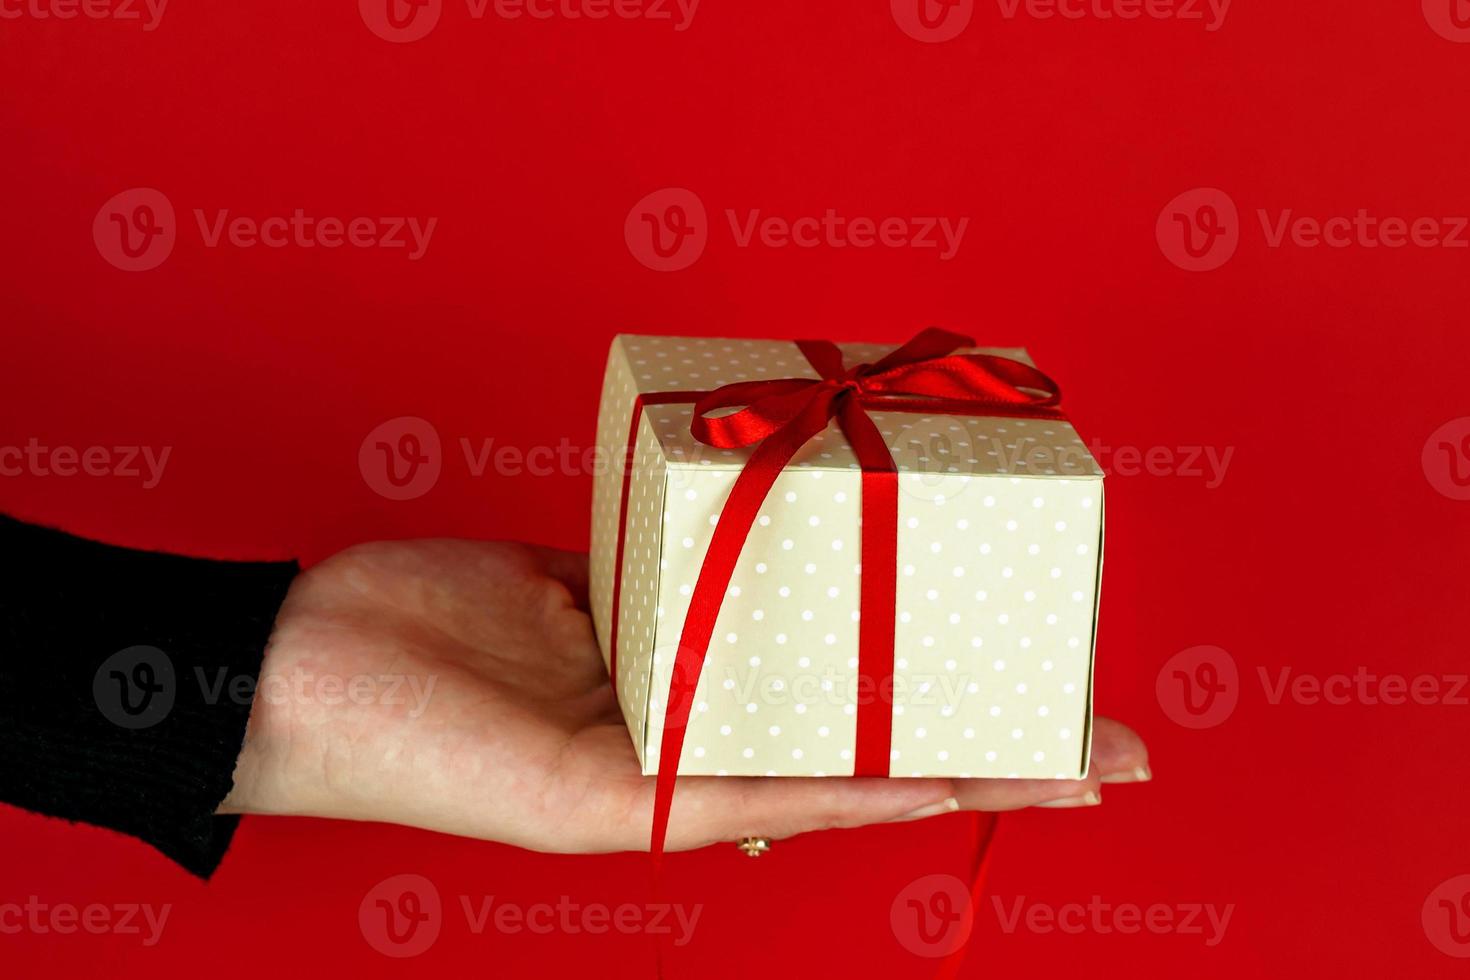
506	728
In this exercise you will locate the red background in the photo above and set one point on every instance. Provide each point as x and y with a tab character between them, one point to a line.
1324	549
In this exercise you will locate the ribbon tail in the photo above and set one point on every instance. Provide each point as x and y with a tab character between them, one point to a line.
986	824
732	528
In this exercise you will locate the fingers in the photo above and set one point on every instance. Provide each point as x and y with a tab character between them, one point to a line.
997	795
1118	756
708	810
1118	753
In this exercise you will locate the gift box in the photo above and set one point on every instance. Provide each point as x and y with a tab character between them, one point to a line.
908	586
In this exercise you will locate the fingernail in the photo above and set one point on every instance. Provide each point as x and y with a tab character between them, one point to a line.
1140	775
1090	798
932	810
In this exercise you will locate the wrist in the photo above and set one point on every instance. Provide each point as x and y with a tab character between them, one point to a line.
261	782
244	791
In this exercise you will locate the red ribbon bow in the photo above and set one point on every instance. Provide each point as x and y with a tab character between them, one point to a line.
923	376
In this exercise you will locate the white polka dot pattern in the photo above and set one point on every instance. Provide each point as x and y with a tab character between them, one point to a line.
1000	525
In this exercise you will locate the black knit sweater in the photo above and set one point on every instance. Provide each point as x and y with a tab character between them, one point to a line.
116	676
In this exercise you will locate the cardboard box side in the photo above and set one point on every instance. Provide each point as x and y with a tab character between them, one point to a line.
970	675
614	406
1096	613
647	733
639	572
642	559
995	616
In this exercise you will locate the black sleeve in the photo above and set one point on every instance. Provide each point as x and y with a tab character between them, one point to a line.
126	679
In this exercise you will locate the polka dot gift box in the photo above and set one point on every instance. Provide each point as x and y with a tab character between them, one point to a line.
988	580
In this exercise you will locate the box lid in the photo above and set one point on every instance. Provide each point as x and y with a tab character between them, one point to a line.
920	444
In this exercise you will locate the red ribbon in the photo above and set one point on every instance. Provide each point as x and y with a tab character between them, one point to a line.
780	416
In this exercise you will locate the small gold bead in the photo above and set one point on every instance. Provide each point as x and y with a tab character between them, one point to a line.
754	846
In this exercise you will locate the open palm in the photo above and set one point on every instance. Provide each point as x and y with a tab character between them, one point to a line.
457	686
